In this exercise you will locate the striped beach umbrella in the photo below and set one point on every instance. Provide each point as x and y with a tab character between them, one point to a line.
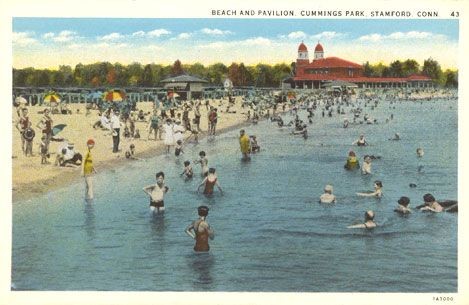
114	96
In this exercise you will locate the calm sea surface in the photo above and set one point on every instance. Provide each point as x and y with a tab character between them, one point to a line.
271	232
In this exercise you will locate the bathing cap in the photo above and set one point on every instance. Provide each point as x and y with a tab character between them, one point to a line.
203	210
404	201
369	215
90	142
428	198
328	188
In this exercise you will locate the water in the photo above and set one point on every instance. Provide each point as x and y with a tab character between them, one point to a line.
271	234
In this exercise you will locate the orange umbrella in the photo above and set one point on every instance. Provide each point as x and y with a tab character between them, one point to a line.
114	96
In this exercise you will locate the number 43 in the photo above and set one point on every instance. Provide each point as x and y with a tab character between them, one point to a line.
454	14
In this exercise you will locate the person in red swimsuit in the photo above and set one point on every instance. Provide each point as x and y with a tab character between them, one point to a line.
201	231
210	181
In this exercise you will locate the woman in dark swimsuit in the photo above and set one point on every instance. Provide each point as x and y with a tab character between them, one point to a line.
210	181
201	231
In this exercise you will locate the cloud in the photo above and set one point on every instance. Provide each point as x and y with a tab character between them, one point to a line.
297	35
327	35
112	36
250	42
23	38
64	36
158	33
48	35
184	36
138	34
411	35
215	32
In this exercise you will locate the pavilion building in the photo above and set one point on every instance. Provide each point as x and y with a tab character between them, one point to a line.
322	70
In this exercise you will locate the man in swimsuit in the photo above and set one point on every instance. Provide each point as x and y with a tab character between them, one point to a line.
156	193
201	231
431	204
46	125
368	224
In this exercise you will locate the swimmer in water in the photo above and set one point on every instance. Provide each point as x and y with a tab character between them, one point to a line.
361	141
210	181
201	231
396	137
156	193
420	152
188	173
403	205
376	193
203	163
352	161
368	224
178	149
366	167
327	197
431	204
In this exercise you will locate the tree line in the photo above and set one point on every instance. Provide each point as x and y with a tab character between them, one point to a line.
430	68
105	74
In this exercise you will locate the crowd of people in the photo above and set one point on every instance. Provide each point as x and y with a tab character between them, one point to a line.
180	124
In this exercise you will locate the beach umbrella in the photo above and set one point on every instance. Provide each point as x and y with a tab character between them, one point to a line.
95	95
114	96
52	98
58	128
20	101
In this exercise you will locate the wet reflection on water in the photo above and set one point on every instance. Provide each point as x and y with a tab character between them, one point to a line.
201	265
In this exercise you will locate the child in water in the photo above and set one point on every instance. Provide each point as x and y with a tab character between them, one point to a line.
203	163
366	167
187	172
178	149
201	231
368	224
156	193
352	161
376	193
210	181
403	205
327	197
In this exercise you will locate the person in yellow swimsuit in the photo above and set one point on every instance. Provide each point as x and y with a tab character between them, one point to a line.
88	170
244	144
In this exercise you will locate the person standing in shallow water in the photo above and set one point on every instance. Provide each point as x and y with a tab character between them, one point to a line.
244	144
201	231
88	170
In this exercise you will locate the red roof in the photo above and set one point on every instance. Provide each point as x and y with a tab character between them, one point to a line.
302	48
325	77
418	77
333	62
318	48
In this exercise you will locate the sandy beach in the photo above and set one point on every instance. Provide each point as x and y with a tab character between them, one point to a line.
30	177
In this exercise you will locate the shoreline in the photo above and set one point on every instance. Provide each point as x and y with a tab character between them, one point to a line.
25	191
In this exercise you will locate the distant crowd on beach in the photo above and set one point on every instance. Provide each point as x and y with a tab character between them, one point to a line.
176	124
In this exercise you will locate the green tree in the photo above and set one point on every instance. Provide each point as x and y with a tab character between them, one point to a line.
396	69
147	76
410	66
451	79
177	68
197	69
432	69
216	73
367	69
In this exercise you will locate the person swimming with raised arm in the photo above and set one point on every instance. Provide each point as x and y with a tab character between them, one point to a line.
210	182
156	193
376	193
431	204
327	197
368	224
201	231
403	205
